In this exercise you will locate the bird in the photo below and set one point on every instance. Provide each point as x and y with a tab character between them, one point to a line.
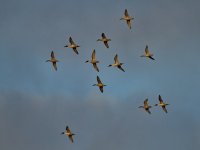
104	39
73	45
69	134
53	60
99	84
162	104
93	61
147	53
117	63
127	18
146	106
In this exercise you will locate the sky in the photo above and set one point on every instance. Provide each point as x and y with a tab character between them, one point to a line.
37	102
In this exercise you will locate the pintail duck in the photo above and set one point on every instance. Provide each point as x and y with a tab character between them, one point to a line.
162	104
93	61
69	134
117	63
53	60
147	53
72	45
100	84
104	39
146	106
127	18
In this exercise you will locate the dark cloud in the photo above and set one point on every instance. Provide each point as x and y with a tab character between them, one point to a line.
35	122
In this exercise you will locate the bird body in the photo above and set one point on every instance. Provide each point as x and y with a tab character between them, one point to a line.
146	106
53	60
73	45
69	134
162	104
104	39
99	84
93	61
147	53
117	63
127	18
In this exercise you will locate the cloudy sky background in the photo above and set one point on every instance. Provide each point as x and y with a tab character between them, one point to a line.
36	102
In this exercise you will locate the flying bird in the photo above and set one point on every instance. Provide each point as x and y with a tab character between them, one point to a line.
69	134
127	18
93	61
53	60
162	104
104	39
72	45
100	84
147	53
117	63
146	106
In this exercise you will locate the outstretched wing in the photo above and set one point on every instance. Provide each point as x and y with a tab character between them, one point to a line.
151	57
164	108
126	13
160	99
103	36
147	50
147	110
120	67
95	67
68	130
54	65
101	89
98	80
75	50
146	102
71	138
52	55
71	41
116	59
93	55
106	44
129	23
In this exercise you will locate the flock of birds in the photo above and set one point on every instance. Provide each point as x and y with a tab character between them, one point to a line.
116	63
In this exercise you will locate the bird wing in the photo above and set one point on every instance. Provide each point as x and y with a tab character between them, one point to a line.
68	130
101	89
151	57
71	138
146	102
98	80
106	44
160	99
103	36
52	55
93	55
164	108
126	13
71	41
129	23
116	59
75	50
95	67
147	110
147	50
54	65
120	67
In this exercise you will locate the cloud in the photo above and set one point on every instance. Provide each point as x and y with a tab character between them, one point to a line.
35	122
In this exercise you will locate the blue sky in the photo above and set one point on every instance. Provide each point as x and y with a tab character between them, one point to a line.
36	102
